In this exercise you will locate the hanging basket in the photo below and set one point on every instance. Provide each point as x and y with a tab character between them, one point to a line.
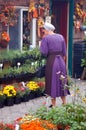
3	44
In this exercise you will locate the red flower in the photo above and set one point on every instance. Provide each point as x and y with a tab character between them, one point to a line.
41	84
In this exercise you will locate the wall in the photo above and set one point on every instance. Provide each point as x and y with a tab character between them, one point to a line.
16	2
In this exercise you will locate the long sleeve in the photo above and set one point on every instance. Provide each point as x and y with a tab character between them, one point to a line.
44	47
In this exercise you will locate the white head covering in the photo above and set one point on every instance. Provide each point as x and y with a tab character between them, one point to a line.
49	26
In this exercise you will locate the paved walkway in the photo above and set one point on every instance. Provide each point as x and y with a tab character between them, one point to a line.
9	114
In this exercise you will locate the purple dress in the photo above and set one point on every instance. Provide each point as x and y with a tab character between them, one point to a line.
55	48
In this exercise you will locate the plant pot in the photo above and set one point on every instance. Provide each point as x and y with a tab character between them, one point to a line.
32	95
25	98
40	72
9	101
38	94
17	100
1	104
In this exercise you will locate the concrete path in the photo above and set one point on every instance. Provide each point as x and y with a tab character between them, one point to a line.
9	114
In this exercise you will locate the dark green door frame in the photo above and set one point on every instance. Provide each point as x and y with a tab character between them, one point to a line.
70	42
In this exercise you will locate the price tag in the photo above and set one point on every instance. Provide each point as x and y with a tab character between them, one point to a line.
48	19
17	127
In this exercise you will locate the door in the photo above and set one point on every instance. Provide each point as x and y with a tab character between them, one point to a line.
59	11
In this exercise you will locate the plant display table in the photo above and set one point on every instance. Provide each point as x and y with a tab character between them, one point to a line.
20	66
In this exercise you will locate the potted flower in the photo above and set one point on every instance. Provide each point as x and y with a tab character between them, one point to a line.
18	97
33	87
4	39
2	99
25	95
41	89
22	92
8	17
10	92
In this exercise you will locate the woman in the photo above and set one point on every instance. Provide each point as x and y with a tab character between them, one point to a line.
54	47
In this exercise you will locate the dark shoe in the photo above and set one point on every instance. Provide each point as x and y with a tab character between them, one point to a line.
50	106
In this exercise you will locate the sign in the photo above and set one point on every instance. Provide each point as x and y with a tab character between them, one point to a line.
48	19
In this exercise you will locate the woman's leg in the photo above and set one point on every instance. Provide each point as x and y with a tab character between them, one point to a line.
64	99
53	101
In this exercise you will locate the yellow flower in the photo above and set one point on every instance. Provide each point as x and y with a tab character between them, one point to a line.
77	91
32	85
84	100
9	90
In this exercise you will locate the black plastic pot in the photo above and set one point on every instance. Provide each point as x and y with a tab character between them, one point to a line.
25	98
40	72
2	104
9	101
17	100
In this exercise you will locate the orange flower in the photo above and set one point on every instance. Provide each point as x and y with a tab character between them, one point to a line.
37	124
5	36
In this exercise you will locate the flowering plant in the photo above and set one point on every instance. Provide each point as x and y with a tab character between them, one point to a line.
9	91
21	89
69	115
8	15
5	36
70	84
37	125
32	85
41	85
6	126
32	123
